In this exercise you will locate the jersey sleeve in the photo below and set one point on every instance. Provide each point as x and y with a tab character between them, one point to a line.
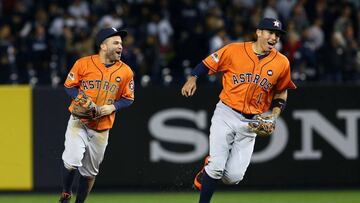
216	61
284	81
129	88
74	77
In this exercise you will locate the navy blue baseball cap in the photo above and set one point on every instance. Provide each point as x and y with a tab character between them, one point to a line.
109	32
271	24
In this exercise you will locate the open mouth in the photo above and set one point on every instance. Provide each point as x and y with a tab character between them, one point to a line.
118	53
271	43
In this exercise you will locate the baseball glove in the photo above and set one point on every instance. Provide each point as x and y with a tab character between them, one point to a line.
263	125
84	107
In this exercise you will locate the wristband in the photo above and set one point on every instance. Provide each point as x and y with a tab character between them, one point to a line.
280	103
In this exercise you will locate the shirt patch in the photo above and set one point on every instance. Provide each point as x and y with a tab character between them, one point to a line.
215	57
270	72
117	79
131	85
71	76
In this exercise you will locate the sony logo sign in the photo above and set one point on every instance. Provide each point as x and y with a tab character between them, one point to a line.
346	143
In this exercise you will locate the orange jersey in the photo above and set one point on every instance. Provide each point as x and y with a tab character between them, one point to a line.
103	85
248	83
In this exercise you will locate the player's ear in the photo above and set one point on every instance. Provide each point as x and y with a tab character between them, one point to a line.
258	32
102	46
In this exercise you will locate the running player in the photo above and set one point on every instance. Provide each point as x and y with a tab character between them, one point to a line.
255	78
109	83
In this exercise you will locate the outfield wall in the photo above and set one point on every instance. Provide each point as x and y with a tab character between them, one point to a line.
16	159
161	140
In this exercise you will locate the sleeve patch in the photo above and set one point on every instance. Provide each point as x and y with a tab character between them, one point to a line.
131	85
71	76
215	57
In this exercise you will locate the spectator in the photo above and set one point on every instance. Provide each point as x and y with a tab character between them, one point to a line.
350	55
38	61
284	8
162	28
334	59
270	10
79	9
299	17
292	51
219	40
8	71
344	20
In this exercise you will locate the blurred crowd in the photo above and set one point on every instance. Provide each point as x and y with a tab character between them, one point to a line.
40	40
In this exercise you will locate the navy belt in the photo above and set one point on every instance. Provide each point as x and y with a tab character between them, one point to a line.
248	116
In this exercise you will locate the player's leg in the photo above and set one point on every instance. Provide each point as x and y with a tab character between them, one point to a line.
86	181
239	157
220	140
199	175
84	188
91	162
72	156
68	176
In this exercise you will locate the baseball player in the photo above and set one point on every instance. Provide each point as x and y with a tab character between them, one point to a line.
255	79
108	84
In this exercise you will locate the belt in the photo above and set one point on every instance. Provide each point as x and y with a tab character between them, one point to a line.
248	116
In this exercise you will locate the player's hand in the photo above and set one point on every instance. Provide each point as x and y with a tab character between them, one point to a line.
106	110
264	126
189	87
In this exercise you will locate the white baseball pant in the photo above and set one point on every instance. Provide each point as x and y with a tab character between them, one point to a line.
231	145
84	147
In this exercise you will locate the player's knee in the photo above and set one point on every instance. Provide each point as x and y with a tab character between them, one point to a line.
214	173
72	161
91	177
87	172
69	167
232	178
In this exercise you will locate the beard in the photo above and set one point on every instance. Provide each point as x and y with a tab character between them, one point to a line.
113	56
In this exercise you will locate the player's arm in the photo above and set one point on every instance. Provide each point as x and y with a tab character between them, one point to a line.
189	87
72	91
278	103
73	80
126	98
119	104
122	103
265	124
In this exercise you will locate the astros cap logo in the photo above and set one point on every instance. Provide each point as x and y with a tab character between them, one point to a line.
114	29
276	23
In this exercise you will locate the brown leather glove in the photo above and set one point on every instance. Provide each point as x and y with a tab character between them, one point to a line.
263	125
84	107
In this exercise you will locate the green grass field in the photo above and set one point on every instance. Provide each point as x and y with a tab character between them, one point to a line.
330	196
